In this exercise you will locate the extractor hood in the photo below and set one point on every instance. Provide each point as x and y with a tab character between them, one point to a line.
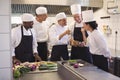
53	6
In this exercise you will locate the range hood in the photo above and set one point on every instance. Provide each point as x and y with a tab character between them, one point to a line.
53	6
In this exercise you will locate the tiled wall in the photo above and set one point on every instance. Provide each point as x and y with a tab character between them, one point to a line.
114	24
5	56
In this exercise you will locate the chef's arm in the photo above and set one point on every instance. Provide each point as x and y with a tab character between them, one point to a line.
13	41
74	43
35	52
15	60
84	35
64	33
37	57
102	46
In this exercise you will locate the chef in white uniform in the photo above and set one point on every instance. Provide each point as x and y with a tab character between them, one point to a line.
78	51
24	44
59	38
41	28
96	41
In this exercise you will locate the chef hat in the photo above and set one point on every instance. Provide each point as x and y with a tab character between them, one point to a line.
88	16
27	17
60	15
41	10
75	9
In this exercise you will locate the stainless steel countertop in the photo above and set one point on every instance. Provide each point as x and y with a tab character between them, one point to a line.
91	72
67	72
42	76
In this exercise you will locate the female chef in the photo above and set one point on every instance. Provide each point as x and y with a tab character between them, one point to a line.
95	41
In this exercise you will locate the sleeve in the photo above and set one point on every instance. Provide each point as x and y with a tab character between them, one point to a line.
87	42
102	44
34	42
71	28
47	30
52	36
13	40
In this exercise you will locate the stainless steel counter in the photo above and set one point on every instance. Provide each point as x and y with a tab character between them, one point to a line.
90	72
63	73
42	76
67	72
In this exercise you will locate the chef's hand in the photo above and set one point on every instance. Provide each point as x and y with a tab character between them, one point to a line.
82	30
15	60
67	32
37	58
74	43
48	53
64	33
81	44
110	59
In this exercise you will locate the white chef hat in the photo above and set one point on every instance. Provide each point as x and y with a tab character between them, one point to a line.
88	16
60	15
75	9
41	10
26	17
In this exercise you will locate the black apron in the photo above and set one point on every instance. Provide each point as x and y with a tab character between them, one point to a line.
100	61
58	52
80	52
24	51
43	50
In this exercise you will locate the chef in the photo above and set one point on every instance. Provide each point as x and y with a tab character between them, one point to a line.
59	38
78	51
24	45
95	41
41	28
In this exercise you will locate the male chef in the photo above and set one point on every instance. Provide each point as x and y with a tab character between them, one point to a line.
78	51
41	26
59	38
24	45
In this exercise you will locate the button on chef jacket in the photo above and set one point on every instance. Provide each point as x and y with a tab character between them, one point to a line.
41	30
16	38
97	44
54	34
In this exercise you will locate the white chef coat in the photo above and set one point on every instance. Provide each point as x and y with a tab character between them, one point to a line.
54	32
73	25
97	44
17	35
41	30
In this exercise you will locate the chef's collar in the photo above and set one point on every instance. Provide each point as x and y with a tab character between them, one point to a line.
24	29
79	24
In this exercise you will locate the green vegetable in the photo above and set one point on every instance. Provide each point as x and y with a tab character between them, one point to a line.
16	74
24	70
72	61
51	65
43	67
